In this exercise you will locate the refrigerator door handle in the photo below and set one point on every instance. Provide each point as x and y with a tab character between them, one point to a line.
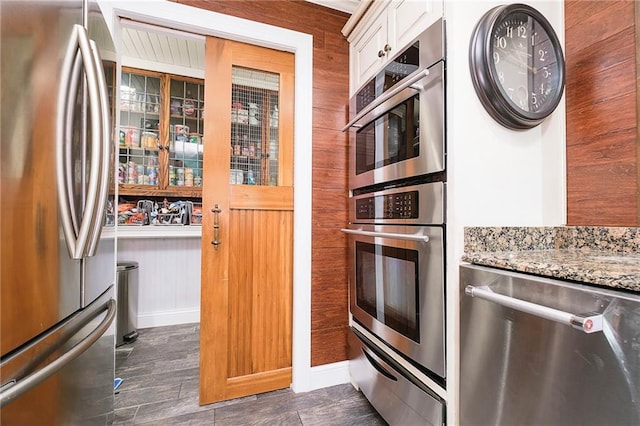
64	133
105	146
588	322
91	207
78	235
17	387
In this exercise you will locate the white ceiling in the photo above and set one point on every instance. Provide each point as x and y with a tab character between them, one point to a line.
146	46
146	43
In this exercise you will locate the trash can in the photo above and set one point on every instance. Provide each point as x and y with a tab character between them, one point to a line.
127	315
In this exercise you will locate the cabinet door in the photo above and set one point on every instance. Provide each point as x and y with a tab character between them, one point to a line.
186	130
407	19
368	51
161	134
139	143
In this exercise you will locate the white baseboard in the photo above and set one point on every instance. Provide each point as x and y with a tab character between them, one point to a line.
160	319
327	375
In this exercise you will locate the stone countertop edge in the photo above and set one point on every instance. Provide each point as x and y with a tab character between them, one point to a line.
605	256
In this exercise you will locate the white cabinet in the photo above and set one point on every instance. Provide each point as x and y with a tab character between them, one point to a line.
408	18
384	30
367	52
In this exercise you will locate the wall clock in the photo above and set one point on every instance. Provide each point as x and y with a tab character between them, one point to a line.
517	66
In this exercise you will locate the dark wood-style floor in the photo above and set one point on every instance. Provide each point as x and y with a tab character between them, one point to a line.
160	387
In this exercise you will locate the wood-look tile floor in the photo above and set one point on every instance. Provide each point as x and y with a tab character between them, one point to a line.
160	387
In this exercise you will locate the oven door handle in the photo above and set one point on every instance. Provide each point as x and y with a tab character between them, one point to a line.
388	95
408	237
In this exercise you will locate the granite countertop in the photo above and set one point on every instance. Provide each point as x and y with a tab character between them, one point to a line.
604	256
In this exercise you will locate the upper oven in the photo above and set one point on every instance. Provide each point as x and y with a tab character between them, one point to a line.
398	127
396	263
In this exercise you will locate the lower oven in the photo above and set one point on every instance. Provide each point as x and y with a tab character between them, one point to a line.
396	394
397	272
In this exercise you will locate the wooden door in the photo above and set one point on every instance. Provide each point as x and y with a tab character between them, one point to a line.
247	279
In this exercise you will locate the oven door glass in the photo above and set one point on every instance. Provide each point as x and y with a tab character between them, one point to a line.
403	136
387	286
397	289
390	139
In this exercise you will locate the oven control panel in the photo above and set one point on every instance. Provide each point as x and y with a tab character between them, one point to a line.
400	205
421	204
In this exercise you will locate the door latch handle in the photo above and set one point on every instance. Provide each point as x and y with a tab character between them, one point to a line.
216	226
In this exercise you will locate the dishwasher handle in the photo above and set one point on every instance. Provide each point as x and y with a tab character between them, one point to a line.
589	323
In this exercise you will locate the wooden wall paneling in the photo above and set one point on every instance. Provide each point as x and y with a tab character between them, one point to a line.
327	92
329	236
636	13
330	344
601	94
596	20
333	179
331	155
326	119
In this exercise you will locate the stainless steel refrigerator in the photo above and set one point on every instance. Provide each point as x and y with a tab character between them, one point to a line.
57	244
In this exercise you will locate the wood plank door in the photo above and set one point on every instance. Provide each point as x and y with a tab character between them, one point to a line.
247	227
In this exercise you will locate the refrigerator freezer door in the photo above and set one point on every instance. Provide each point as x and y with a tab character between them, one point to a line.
40	282
67	373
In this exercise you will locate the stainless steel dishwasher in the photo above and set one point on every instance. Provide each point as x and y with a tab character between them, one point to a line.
537	351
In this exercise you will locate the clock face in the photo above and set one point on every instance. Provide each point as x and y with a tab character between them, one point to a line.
524	62
516	65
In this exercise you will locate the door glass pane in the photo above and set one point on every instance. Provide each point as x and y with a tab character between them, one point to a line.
138	135
254	127
186	108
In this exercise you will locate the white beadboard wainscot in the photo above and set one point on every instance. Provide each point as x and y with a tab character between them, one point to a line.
169	277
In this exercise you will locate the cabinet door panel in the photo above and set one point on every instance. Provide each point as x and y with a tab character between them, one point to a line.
364	52
407	19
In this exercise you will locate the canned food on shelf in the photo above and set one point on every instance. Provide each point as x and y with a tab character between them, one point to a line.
131	137
180	176
194	138
179	129
172	175
149	140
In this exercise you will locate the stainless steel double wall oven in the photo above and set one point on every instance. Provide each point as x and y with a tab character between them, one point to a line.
397	226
